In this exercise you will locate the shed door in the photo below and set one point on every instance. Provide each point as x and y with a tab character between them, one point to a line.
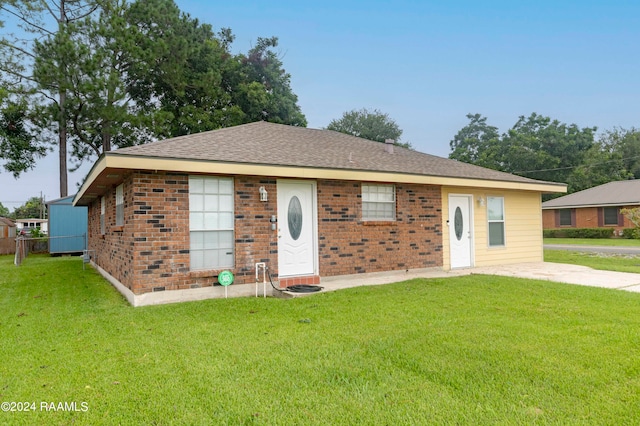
460	231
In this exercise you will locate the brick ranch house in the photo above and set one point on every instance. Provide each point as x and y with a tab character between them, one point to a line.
167	217
597	207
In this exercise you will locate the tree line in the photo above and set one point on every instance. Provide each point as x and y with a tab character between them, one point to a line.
89	76
541	148
94	75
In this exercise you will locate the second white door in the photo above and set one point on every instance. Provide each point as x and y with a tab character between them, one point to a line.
460	231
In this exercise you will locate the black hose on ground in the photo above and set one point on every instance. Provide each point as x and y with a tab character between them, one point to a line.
298	288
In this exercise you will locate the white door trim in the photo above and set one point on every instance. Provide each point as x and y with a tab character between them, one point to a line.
282	226
461	256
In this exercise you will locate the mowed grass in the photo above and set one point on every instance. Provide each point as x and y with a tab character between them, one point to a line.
469	350
602	261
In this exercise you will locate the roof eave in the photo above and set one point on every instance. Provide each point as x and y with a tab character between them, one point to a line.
581	206
113	160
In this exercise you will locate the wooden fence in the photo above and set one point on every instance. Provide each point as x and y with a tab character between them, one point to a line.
7	245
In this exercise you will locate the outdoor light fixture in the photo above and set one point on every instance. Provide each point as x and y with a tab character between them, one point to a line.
481	201
264	195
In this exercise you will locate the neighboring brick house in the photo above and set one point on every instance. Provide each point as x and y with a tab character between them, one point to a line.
167	217
595	207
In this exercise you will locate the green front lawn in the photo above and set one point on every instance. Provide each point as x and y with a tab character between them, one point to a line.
621	242
468	350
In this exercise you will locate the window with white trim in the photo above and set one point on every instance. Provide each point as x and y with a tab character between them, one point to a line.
378	202
103	209
495	216
211	222
120	205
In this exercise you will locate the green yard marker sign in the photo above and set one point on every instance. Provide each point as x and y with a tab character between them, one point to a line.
225	279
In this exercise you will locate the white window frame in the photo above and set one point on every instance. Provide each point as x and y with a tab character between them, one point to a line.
375	199
491	221
120	205
211	223
103	210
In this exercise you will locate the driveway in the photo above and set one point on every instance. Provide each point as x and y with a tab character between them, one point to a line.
565	273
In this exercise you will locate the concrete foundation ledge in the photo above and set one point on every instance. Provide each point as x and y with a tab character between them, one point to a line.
188	295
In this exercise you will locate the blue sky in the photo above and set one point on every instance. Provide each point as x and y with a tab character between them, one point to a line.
427	64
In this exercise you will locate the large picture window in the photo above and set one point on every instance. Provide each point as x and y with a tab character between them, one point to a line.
211	222
495	213
378	202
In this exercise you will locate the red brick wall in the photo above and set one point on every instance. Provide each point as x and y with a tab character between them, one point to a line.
255	241
586	217
347	245
548	219
151	251
114	251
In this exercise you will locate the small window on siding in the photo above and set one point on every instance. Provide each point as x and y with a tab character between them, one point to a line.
103	209
120	205
610	215
378	202
211	222
565	217
495	213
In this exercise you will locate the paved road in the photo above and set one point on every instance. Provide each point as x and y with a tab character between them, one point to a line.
595	249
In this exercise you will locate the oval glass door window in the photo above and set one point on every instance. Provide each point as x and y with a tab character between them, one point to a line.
458	224
294	217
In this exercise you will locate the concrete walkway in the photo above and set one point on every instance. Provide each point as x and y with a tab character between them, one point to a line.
558	272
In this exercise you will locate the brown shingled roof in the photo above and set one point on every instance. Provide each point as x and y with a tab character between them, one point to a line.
281	145
618	193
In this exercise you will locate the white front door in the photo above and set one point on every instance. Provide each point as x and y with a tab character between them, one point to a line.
296	228
460	230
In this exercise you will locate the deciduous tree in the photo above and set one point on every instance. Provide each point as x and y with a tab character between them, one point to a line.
535	147
33	208
4	212
19	148
477	143
368	124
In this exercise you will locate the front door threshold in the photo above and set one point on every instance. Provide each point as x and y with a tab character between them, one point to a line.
285	282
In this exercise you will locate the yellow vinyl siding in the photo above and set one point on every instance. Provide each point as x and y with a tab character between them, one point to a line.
523	227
